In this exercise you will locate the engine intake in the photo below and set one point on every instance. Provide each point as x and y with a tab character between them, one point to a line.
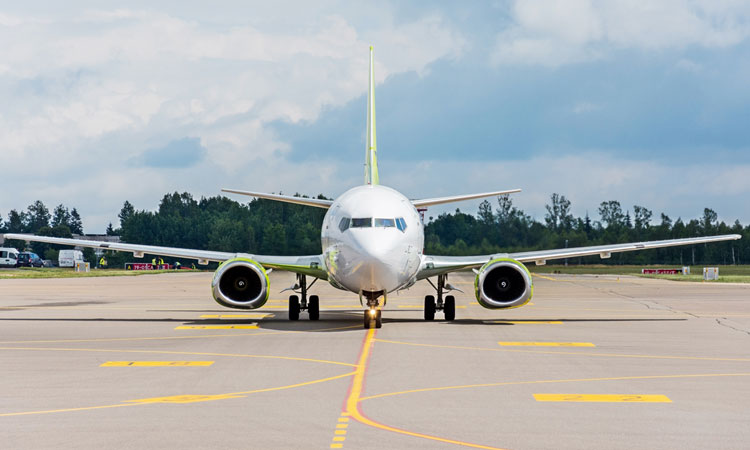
503	283
240	283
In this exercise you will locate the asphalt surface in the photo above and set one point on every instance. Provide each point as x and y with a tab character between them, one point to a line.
594	362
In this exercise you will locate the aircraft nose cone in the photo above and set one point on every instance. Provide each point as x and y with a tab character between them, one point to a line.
377	276
381	261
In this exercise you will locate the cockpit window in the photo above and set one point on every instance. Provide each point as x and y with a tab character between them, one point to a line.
368	222
387	223
344	224
362	223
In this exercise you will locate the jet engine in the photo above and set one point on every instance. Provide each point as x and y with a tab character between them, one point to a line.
240	283
503	283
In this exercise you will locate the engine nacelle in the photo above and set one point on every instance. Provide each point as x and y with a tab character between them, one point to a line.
240	283
503	283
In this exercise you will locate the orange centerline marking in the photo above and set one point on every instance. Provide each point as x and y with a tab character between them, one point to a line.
355	396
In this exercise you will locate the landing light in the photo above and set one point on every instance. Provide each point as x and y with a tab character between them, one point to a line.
372	312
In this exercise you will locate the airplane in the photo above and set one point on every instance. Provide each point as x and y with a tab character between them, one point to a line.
372	245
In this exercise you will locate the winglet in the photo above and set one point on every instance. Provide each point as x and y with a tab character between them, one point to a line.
371	155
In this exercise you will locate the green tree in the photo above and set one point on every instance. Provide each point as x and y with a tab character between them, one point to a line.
75	224
126	212
60	216
504	208
486	215
558	215
641	217
37	216
611	213
274	239
709	221
16	222
228	235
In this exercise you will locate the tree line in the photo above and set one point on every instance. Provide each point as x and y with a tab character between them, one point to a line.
506	228
268	227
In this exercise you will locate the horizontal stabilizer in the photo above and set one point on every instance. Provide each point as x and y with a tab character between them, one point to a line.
459	198
285	198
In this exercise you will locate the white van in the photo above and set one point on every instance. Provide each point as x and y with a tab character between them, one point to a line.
69	258
8	257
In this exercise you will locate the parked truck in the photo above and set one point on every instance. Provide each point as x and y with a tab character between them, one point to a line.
69	258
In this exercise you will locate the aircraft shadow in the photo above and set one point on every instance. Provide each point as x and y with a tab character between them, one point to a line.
336	321
50	305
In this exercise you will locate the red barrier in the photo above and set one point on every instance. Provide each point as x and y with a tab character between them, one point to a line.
661	271
146	266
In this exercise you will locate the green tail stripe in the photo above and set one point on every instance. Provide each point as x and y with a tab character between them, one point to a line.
371	148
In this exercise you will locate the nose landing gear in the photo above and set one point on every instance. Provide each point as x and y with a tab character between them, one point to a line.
373	318
373	313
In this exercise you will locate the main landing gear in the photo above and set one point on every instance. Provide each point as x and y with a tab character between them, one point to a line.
311	305
447	304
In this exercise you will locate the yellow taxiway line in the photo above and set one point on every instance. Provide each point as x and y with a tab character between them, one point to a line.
156	363
602	398
355	396
546	344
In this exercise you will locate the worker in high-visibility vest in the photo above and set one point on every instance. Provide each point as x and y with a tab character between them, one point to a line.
153	263
161	262
102	262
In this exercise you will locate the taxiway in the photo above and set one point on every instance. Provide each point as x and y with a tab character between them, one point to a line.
595	362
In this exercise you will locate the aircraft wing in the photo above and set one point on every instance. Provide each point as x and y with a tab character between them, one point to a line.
284	198
437	265
311	265
422	203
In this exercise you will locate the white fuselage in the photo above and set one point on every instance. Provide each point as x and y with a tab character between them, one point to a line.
373	240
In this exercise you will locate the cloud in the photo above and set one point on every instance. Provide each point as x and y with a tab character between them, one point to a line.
104	105
180	153
586	180
557	32
88	93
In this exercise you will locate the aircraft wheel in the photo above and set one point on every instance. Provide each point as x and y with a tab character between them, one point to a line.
313	307
379	319
449	308
367	320
429	307
293	307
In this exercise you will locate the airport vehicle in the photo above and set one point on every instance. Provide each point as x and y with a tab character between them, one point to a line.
8	257
29	259
69	258
372	245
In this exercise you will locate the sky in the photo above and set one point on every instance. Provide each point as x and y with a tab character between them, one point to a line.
647	103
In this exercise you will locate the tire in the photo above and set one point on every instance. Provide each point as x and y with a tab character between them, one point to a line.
449	308
313	307
293	307
367	320
429	307
379	319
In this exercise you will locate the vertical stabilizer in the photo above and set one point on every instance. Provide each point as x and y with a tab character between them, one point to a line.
371	155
